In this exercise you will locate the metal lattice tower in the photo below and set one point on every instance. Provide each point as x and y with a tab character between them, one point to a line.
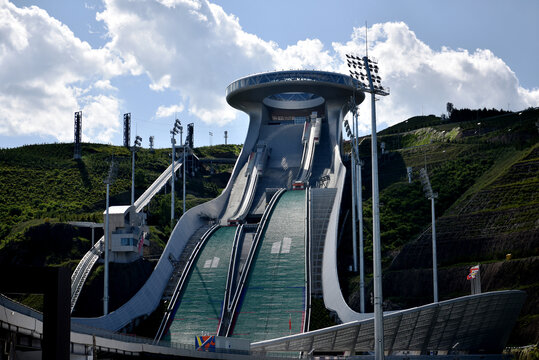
78	135
151	144
190	134
226	137
127	129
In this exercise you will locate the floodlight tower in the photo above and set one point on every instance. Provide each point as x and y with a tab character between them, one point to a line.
78	135
371	83
109	180
151	144
127	129
427	188
182	143
174	131
136	145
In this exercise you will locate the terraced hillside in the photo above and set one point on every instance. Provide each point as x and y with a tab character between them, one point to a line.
488	207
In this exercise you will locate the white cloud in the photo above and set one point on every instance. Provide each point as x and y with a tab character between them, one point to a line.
166	111
100	121
423	79
192	47
104	85
48	74
162	84
195	49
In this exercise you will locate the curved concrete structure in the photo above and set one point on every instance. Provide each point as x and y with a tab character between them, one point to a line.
285	98
261	96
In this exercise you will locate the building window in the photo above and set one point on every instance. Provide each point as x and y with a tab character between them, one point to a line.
128	242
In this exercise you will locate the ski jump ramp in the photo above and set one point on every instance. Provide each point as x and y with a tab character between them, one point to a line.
278	104
274	239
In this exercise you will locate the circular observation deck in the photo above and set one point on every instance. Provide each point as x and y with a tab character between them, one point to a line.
292	89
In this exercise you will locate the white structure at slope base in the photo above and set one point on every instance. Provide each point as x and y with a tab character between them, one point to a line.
127	233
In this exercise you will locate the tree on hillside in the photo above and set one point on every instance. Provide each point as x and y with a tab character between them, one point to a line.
449	108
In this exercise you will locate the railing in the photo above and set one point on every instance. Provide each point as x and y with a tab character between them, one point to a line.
145	198
79	276
305	169
243	277
292	75
83	270
255	168
230	278
165	323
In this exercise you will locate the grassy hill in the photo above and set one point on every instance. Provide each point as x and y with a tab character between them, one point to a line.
42	188
486	174
487	178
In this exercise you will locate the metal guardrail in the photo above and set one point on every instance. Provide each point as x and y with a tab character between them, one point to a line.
83	269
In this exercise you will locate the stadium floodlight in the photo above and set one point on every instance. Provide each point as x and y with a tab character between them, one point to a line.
78	135
367	80
427	188
127	129
108	181
151	144
136	144
177	127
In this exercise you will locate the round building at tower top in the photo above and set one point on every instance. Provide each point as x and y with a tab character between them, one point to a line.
292	92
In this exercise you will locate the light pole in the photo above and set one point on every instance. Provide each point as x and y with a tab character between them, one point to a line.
174	131
371	83
357	204
109	180
183	170
427	188
358	198
352	168
136	144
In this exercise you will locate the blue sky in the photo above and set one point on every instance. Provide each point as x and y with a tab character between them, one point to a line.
158	58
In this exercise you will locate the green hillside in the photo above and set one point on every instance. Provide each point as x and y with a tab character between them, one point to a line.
42	188
487	178
486	174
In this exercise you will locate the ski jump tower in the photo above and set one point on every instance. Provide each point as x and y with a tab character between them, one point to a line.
275	99
247	263
293	144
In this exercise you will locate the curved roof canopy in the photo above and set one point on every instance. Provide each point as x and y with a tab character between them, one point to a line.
293	89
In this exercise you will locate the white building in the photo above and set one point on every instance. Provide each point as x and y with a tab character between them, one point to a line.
127	231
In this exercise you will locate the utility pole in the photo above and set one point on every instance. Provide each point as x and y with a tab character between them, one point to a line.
109	180
427	188
174	131
353	156
136	144
183	166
